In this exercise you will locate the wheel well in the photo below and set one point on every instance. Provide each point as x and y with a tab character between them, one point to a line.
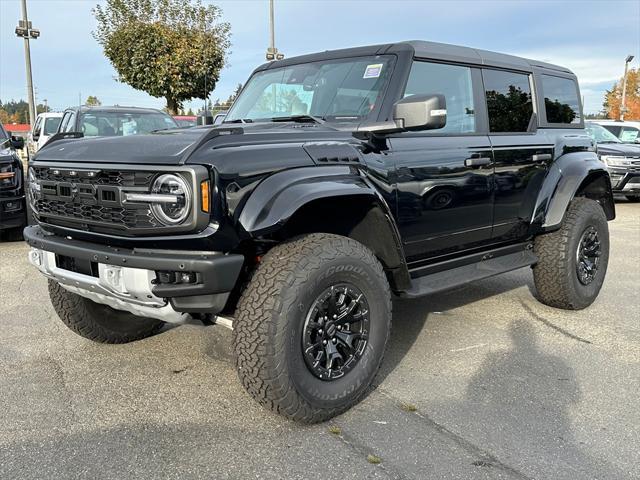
360	217
597	186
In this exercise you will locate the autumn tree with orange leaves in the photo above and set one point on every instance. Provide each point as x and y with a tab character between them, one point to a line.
613	97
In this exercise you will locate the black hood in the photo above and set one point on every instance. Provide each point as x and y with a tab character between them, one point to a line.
172	147
622	149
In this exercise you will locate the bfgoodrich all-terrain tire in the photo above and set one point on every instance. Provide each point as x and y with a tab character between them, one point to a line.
312	326
573	260
97	322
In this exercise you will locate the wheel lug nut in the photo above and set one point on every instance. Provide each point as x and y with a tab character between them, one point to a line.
335	316
319	332
339	327
324	342
333	340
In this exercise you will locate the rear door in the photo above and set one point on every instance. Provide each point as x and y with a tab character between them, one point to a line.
444	176
521	152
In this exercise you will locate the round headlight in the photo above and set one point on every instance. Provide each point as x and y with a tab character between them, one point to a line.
171	212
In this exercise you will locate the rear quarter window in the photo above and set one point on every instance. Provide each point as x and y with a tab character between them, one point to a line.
561	102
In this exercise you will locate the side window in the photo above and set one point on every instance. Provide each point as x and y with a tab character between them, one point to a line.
64	121
629	134
452	81
560	99
36	127
71	123
509	102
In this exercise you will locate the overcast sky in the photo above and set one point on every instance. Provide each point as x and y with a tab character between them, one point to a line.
590	37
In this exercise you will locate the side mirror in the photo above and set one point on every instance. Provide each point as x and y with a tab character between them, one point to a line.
421	112
17	142
416	112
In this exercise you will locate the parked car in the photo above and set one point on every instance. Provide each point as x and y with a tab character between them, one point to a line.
114	121
12	199
287	216
186	121
627	131
622	160
46	125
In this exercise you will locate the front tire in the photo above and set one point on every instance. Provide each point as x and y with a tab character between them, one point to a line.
633	199
297	352
572	261
97	322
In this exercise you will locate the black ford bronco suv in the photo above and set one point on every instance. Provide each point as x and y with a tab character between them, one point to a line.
337	180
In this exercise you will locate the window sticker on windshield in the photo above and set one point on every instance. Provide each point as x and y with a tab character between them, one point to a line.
373	71
629	135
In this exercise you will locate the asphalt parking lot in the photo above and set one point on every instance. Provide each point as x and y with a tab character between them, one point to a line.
480	382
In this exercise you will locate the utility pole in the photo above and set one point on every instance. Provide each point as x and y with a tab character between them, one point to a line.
623	107
25	31
46	108
272	51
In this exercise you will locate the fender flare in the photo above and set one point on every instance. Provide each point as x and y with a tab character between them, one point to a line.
280	195
566	175
277	198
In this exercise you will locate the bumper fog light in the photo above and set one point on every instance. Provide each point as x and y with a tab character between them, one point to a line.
176	277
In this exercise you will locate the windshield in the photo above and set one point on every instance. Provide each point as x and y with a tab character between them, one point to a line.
112	124
343	90
51	125
600	134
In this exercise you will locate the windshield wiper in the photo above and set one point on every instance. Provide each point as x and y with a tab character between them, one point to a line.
299	119
239	120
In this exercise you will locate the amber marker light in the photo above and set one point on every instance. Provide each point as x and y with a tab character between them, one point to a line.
204	196
6	175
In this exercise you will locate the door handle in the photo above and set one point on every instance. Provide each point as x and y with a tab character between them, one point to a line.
477	161
541	157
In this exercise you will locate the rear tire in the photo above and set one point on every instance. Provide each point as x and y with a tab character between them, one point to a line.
562	277
98	322
279	309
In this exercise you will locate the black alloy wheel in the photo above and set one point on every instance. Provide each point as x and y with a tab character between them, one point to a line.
588	255
335	332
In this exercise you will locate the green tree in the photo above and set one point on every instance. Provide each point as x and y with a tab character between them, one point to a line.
93	101
172	49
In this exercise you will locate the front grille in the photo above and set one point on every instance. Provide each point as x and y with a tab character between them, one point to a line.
91	199
117	217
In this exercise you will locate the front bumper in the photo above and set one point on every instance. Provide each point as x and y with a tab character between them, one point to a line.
12	212
625	182
131	279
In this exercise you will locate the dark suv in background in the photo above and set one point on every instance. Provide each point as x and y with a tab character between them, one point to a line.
12	198
622	161
337	180
114	121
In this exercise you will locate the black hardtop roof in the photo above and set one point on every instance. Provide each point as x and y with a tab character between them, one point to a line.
427	50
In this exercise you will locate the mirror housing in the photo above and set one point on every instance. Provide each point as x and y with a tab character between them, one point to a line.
17	142
413	113
421	112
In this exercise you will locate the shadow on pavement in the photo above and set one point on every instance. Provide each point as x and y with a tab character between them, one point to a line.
411	316
519	402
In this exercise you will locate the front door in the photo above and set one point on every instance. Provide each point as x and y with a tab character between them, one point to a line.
444	177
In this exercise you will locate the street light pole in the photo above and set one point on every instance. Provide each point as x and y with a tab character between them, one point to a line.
25	31
272	51
624	87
